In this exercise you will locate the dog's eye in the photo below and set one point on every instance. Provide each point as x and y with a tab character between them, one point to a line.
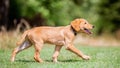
85	23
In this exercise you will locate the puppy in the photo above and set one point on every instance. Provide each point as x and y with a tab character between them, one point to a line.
59	36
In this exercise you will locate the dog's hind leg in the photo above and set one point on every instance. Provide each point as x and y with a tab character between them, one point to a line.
24	45
38	47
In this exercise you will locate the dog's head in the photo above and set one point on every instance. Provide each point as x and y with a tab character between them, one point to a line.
82	25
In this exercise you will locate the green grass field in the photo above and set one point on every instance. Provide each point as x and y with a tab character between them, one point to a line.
101	57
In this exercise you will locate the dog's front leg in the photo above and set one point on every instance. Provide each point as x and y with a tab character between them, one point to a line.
56	52
77	52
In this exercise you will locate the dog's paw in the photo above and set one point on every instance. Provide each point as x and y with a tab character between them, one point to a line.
85	57
12	59
55	61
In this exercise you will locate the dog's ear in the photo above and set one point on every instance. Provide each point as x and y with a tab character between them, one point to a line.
76	24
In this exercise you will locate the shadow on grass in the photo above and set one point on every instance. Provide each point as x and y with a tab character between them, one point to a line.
70	60
29	61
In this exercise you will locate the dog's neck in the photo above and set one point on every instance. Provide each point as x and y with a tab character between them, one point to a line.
74	31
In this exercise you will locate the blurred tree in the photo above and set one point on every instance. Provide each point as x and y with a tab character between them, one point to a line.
4	6
20	9
110	14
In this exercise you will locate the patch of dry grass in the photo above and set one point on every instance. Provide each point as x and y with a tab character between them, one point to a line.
104	40
8	39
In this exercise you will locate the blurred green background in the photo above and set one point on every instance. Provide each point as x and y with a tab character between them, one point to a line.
104	14
19	15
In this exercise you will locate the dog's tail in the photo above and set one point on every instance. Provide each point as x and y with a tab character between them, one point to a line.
23	38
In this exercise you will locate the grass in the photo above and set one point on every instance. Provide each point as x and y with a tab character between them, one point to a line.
102	57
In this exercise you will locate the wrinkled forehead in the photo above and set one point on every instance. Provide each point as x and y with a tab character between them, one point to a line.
83	20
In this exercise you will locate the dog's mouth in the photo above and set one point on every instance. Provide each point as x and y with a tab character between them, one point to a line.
87	31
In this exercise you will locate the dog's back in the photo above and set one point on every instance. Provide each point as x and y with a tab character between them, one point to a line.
53	35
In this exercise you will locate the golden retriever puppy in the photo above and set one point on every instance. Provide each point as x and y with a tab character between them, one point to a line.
59	36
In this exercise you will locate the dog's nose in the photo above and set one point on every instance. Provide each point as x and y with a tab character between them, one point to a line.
93	26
